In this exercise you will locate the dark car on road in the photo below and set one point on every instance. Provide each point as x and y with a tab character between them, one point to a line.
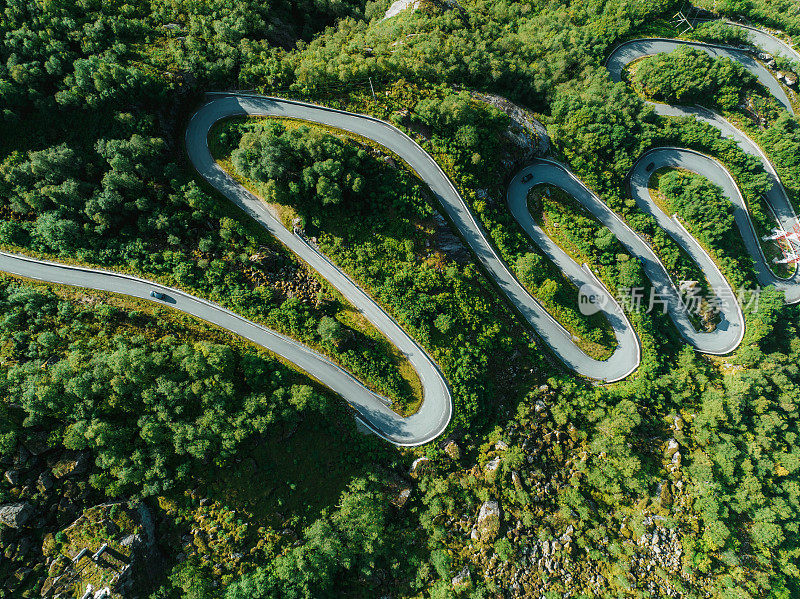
527	178
650	166
157	294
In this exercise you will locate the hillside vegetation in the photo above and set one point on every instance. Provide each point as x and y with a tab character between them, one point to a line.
219	471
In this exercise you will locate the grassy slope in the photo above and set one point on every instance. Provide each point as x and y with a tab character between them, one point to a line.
348	315
384	106
551	210
745	122
388	226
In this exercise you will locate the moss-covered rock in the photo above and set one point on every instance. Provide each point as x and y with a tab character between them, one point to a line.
488	526
108	545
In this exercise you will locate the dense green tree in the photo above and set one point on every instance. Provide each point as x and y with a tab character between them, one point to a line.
690	76
700	202
301	164
145	409
351	538
330	330
602	127
530	270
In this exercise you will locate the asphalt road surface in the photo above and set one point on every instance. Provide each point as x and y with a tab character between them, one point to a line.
776	197
730	329
556	337
436	410
727	335
420	428
626	53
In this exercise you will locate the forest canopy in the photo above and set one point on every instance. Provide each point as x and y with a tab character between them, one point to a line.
690	76
682	479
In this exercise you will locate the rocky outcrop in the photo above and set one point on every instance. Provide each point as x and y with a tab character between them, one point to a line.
72	466
13	477
399	6
488	526
672	447
462	580
673	454
492	465
109	545
453	450
527	553
525	132
401	497
15	515
45	481
448	242
418	466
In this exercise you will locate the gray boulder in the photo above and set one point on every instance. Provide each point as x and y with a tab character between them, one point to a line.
15	515
418	466
13	477
453	450
463	579
133	541
45	481
492	465
488	525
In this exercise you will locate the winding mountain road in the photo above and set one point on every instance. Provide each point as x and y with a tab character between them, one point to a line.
767	42
729	332
626	53
436	410
622	362
775	196
727	335
424	426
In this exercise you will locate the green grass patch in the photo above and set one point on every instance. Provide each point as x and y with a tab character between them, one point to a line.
410	401
300	468
573	229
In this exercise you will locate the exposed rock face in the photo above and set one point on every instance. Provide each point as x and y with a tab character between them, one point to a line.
72	467
676	460
15	515
13	477
401	498
418	466
673	454
129	559
526	132
462	580
672	447
45	481
448	242
488	525
399	6
677	424
492	465
131	541
492	469
453	450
